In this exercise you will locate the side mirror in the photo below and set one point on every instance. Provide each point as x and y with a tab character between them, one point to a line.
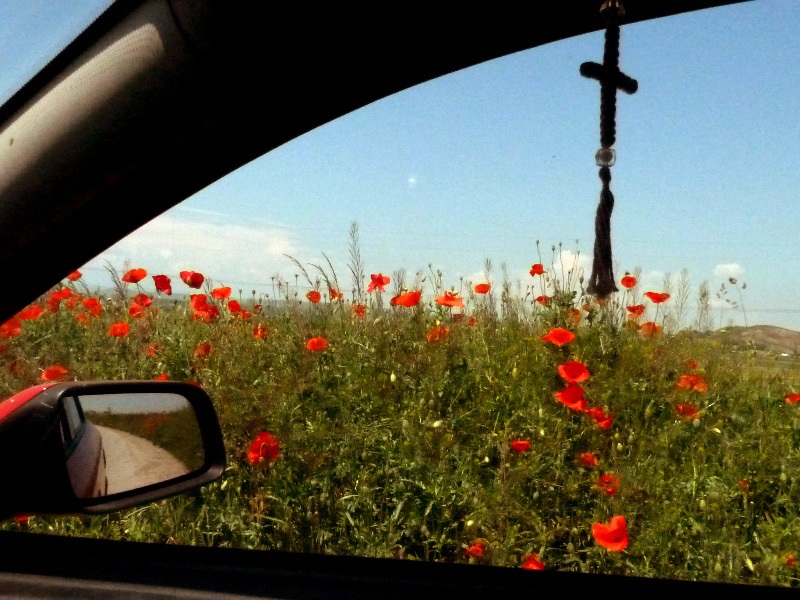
94	447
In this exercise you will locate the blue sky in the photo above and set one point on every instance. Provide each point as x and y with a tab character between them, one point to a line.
482	163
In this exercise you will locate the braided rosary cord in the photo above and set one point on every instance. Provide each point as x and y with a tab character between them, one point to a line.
601	281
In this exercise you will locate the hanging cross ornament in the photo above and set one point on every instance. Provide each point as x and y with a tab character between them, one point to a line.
601	282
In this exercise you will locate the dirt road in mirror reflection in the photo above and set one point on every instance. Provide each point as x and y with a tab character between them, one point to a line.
133	462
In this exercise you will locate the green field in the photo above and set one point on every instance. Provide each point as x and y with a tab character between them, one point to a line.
396	439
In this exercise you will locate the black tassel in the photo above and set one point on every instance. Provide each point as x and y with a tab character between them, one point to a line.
601	282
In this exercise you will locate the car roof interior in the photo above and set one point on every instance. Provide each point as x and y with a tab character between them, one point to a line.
158	99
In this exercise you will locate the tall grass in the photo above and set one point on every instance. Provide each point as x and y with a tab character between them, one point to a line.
394	446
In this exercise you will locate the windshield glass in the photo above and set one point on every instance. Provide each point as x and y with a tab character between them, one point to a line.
390	314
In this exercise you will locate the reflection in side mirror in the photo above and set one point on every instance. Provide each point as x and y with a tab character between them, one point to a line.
131	441
99	446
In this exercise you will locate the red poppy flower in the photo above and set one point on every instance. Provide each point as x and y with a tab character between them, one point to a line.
603	420
314	296
537	269
543	300
143	300
378	282
596	412
260	331
744	485
11	328
482	288
34	311
636	311
22	519
687	411
574	316
573	372
317	344
119	329
558	336
692	382
72	301
134	276
792	398
74	276
335	294
649	329
192	279
93	306
572	397
609	484
163	284
265	449
54	373
520	445
198	301
437	333
234	306
613	536
532	563
245	314
257	309
450	299
202	350
628	281
359	311
152	349
162	377
56	298
82	318
136	311
221	293
472	321
587	459
207	313
477	549
408	299
657	297
790	561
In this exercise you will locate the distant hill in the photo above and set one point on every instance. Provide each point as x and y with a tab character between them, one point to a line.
763	337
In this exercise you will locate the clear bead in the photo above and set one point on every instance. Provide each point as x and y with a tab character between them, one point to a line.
605	157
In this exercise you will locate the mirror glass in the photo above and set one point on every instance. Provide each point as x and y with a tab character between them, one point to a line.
120	442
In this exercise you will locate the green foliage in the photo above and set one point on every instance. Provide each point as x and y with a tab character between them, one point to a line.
394	446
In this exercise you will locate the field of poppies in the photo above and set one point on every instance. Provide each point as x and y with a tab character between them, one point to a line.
537	428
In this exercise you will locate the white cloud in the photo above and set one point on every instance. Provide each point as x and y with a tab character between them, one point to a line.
651	281
230	253
477	277
569	260
202	211
412	181
728	270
